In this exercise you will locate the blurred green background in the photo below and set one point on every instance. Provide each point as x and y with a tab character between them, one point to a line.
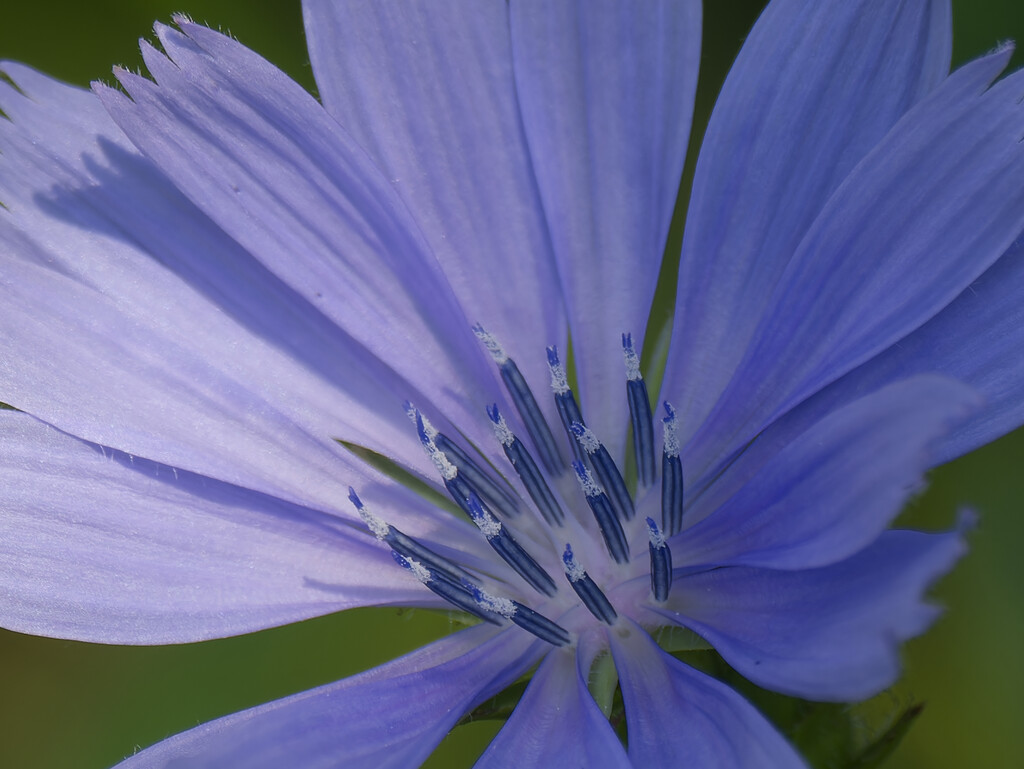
66	705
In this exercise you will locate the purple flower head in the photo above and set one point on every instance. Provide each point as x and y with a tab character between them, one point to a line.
220	297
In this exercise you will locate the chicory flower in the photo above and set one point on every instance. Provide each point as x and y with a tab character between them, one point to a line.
221	297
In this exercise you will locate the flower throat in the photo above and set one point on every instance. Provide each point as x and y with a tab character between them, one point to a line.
498	512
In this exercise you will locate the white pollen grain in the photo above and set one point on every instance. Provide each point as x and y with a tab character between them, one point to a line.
502	432
447	470
590	487
632	364
503	606
489	526
421	572
671	436
559	379
377	526
491	344
574	571
655	535
586	437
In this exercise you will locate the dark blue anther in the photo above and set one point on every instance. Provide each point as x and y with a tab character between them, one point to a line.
527	470
523	616
458	489
606	470
640	415
661	562
511	552
565	401
607	520
532	417
405	545
459	596
494	495
592	596
525	403
671	477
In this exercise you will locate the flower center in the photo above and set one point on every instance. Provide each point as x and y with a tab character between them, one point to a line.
552	535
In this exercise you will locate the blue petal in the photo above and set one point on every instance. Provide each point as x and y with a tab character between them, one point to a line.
822	634
557	723
926	212
163	350
607	96
833	489
679	717
99	546
814	88
390	717
977	340
263	159
427	89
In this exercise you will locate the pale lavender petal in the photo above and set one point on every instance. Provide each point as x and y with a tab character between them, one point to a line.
676	716
163	351
814	88
100	546
263	159
977	340
821	634
607	92
833	489
925	213
556	723
390	717
427	90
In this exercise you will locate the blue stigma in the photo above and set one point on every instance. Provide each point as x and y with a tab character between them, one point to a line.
523	616
671	476
606	471
565	401
588	591
607	521
494	495
639	414
511	552
404	545
525	404
661	562
527	470
460	596
490	501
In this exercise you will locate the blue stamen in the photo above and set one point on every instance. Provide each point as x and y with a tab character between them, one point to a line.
588	591
606	471
640	414
511	552
607	520
406	545
527	470
458	596
525	404
671	476
524	617
661	562
497	498
565	401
